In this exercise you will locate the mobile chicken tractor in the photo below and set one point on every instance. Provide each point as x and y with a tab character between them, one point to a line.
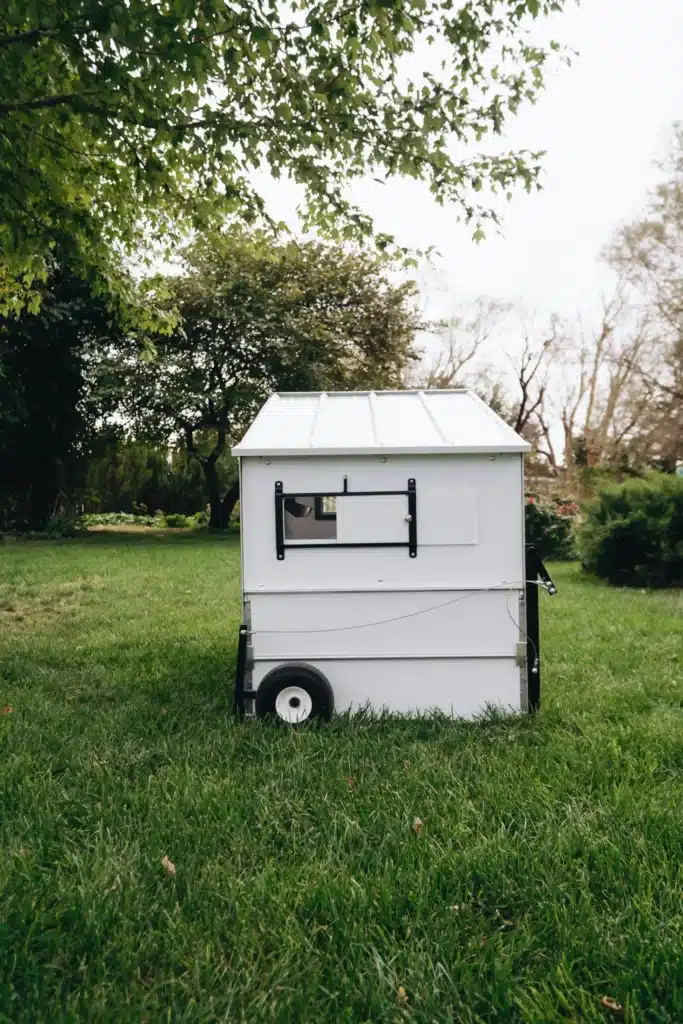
383	558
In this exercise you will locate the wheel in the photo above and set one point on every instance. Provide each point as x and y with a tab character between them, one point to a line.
295	694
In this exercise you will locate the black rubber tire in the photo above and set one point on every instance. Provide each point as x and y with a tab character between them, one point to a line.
295	674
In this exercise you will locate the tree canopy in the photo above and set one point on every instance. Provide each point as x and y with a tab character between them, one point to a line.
128	122
259	316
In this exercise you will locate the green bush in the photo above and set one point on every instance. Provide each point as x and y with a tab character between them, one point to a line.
117	519
59	528
549	526
633	534
177	521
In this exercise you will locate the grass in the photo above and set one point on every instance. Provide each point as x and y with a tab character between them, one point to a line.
546	874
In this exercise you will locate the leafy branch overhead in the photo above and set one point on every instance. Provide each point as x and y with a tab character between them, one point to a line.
123	123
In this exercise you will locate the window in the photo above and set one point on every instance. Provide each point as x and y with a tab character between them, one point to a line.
308	518
346	519
325	506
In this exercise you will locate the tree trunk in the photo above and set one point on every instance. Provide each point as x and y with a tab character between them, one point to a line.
221	507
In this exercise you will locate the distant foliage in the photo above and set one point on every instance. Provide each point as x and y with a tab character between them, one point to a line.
633	534
174	520
137	477
178	522
58	528
120	519
549	526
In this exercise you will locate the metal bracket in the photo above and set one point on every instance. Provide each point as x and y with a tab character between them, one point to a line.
240	669
279	521
412	520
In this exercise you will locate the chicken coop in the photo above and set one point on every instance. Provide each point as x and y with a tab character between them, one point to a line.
383	558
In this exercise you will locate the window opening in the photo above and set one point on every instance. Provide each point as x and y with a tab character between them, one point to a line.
305	518
346	519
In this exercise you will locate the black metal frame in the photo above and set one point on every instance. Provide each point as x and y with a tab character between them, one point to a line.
240	671
534	570
410	493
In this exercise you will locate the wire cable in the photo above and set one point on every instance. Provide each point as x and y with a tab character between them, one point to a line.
399	618
534	667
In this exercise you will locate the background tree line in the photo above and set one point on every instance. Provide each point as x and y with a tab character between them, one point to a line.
128	128
605	395
99	414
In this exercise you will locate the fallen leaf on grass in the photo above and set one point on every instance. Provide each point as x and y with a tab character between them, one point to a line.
612	1005
164	711
7	710
351	782
417	826
402	996
457	908
168	865
115	886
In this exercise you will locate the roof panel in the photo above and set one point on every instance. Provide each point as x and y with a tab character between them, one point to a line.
397	422
404	423
343	421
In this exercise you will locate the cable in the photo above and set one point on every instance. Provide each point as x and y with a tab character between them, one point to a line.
397	618
534	667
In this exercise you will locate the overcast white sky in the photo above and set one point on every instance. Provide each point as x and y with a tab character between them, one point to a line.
602	121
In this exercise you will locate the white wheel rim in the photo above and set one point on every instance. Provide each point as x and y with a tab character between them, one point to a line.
293	704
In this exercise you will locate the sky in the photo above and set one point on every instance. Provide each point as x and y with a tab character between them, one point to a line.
603	121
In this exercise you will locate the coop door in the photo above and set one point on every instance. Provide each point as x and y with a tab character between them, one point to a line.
372	519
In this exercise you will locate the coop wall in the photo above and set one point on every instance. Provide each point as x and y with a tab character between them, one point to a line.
469	524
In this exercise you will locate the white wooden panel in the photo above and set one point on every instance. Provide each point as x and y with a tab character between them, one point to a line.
372	519
463	688
447	514
303	626
495	559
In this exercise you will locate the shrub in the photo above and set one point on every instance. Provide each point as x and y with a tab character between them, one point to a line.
201	518
117	519
63	526
549	526
59	528
177	521
633	534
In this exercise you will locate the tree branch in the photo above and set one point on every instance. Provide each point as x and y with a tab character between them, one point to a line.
47	101
28	36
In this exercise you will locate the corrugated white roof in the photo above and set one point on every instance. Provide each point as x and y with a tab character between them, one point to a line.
392	422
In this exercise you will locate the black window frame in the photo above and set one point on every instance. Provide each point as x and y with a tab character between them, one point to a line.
281	495
318	511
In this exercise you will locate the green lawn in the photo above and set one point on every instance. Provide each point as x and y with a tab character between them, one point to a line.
547	873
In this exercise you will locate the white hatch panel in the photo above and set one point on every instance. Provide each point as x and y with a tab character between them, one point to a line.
372	519
448	515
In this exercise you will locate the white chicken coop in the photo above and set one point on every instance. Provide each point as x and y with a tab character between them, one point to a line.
383	558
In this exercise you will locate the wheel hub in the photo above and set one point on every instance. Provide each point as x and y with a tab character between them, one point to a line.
293	704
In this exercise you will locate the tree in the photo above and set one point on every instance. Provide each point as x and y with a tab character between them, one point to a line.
128	476
126	122
463	337
647	255
44	415
259	316
468	341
